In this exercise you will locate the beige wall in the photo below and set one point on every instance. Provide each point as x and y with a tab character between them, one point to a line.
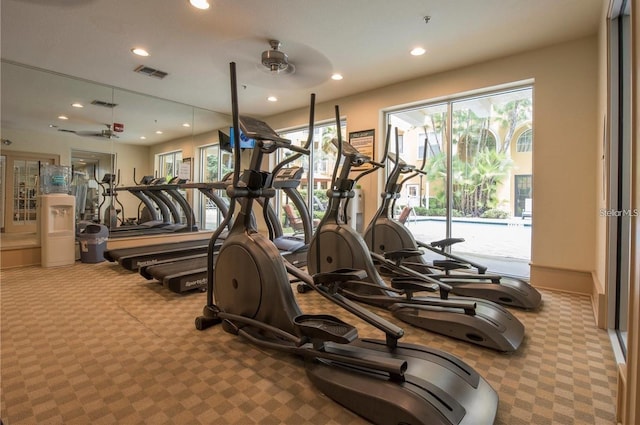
565	119
601	167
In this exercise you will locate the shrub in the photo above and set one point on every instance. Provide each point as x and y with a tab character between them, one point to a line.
494	213
420	210
435	212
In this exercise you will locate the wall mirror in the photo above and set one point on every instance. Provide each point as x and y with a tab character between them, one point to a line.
99	130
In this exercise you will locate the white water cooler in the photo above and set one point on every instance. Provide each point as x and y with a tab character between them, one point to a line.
355	213
57	230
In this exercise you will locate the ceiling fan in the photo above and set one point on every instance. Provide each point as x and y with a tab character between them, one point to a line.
276	61
108	133
275	64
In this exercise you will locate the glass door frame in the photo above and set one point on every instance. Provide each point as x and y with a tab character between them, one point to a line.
619	172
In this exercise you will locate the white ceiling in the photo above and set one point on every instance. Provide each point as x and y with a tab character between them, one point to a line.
368	41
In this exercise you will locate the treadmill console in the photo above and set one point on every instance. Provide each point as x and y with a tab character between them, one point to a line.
177	180
158	180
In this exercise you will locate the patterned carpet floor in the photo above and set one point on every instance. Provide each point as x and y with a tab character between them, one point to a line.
96	344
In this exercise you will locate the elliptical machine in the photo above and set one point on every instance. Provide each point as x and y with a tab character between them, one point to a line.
249	292
384	234
111	213
336	245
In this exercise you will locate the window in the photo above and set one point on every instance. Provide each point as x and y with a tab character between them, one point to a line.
433	145
523	188
169	164
322	156
469	173
471	144
214	165
525	141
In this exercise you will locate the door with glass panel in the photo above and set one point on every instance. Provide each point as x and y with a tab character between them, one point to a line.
477	180
21	193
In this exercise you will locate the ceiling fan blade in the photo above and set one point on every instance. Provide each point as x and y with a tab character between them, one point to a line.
109	134
89	133
106	134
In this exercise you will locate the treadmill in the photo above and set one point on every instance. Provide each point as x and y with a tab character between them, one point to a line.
172	189
155	192
136	257
137	191
190	273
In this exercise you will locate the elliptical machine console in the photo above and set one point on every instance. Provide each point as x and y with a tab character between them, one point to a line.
249	292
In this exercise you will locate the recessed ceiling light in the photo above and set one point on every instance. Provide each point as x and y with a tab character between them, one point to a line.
158	132
186	124
200	4
63	117
418	51
336	77
77	105
143	138
272	99
139	51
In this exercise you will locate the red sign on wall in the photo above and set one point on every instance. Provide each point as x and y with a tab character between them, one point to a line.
118	127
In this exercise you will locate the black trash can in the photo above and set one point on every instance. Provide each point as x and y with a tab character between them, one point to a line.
92	239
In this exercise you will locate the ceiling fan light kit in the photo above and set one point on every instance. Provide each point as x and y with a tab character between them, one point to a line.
275	59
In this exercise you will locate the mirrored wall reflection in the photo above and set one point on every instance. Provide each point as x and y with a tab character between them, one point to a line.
112	138
209	164
89	186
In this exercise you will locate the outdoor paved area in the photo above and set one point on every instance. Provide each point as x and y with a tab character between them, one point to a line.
503	247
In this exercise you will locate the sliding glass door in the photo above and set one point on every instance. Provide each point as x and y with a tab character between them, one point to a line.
478	176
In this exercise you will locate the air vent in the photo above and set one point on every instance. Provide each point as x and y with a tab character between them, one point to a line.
151	72
104	104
